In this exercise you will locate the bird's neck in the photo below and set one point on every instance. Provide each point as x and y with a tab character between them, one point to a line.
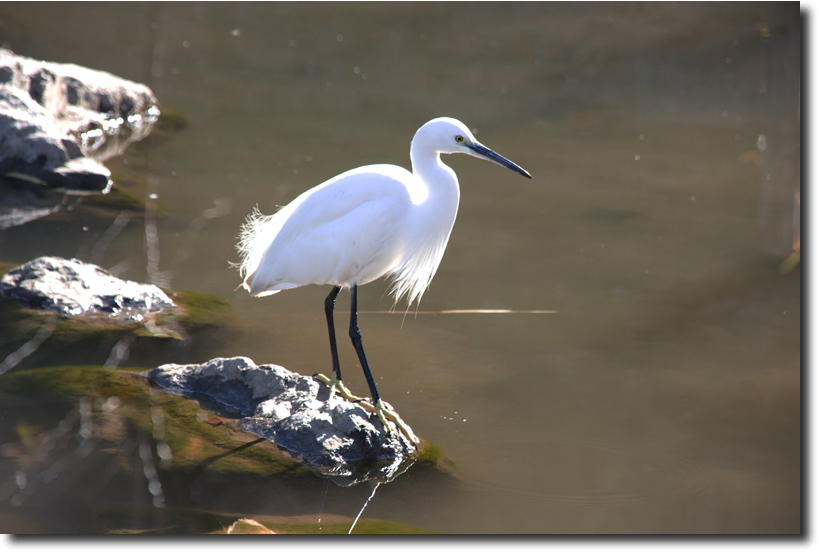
440	180
435	195
435	214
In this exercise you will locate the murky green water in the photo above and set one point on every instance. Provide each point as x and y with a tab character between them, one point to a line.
663	396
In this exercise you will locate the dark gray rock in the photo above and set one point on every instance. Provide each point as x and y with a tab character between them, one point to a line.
33	148
60	121
73	287
294	412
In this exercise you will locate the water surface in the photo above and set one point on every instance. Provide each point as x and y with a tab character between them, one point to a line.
661	396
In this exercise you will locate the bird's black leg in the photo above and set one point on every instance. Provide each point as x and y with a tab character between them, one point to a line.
334	383
329	305
355	335
385	412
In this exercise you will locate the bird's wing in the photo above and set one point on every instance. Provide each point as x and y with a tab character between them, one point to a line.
344	231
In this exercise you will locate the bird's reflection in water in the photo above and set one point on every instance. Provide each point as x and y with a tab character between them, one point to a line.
343	475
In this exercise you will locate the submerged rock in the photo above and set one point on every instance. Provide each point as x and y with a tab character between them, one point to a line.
294	412
73	287
58	123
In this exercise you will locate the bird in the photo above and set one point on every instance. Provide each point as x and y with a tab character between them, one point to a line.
364	224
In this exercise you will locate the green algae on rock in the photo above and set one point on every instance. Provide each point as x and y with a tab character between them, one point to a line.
196	321
112	454
336	436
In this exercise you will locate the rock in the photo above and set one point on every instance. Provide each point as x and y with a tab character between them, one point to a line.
59	122
102	428
291	410
80	100
197	325
30	136
73	287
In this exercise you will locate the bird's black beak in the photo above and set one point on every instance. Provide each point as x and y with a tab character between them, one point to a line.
482	151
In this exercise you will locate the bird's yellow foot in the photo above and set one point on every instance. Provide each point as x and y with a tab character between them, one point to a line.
388	416
335	385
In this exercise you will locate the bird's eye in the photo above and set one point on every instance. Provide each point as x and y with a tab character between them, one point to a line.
459	139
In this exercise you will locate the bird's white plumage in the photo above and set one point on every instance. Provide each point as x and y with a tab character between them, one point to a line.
344	231
374	221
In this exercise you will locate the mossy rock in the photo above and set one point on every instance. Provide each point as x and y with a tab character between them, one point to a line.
208	473
201	322
195	436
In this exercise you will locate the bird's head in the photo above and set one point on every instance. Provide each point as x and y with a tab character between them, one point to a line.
448	135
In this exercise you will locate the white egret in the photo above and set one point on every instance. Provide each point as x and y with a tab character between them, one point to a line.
369	222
